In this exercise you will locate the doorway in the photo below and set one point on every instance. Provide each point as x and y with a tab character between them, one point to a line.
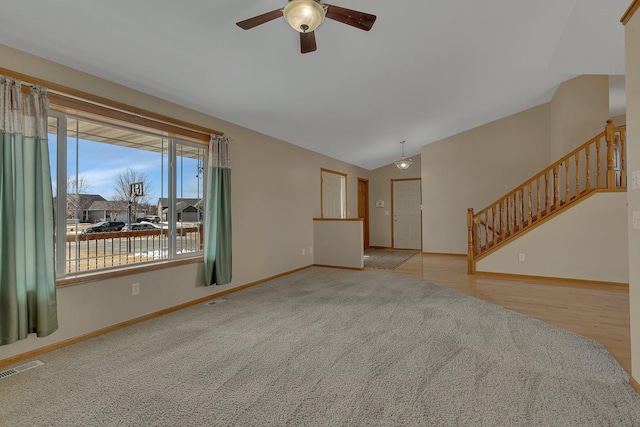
363	208
406	226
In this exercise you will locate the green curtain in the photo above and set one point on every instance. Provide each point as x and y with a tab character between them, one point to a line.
217	221
27	269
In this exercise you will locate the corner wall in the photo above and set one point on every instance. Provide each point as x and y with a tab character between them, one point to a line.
476	167
275	196
579	111
632	47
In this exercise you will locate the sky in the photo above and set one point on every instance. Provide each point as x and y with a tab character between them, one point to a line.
100	163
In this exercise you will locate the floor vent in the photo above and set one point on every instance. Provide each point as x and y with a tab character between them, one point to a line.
215	301
21	368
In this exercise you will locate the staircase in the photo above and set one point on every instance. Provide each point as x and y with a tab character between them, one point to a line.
569	180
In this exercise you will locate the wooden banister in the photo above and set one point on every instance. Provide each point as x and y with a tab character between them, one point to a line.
520	209
610	138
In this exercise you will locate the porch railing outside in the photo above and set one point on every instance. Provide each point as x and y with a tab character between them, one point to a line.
86	252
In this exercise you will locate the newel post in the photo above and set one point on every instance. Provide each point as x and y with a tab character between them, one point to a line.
609	134
471	266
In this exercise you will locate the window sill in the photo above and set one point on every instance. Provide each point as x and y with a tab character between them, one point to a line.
78	279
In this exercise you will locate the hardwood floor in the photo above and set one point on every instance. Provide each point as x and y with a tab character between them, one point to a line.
598	311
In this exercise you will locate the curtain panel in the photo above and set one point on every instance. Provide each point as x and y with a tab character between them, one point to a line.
27	270
217	221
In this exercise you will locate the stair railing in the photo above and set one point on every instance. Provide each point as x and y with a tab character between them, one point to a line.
565	182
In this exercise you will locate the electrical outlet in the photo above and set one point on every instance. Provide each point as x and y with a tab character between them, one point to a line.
304	251
310	249
135	289
520	257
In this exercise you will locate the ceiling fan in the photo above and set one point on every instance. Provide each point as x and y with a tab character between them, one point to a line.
305	16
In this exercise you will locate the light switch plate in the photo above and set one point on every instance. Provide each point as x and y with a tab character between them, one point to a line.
635	180
635	220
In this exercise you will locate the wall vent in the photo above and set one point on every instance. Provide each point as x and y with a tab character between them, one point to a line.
21	368
215	301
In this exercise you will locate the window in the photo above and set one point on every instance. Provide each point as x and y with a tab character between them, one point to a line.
333	194
108	176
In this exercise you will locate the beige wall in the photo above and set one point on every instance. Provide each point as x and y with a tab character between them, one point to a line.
380	189
338	243
588	241
632	42
275	196
476	167
579	111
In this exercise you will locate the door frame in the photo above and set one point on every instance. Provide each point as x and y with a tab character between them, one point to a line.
393	235
364	215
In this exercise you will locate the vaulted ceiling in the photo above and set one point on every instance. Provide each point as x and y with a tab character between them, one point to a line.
428	69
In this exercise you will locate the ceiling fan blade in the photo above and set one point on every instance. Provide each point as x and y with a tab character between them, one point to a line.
307	42
361	20
247	24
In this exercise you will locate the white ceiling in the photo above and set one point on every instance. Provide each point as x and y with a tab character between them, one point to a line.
428	69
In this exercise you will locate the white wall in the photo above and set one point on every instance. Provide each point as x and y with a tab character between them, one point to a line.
275	196
632	42
587	241
476	167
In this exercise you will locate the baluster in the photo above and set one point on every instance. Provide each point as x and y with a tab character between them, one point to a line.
486	229
577	175
476	230
505	214
522	206
567	191
500	220
529	213
623	168
514	219
547	193
514	211
588	177
609	136
538	206
493	219
556	186
470	245
518	208
598	172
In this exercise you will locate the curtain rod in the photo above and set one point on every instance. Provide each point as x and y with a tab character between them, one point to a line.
81	96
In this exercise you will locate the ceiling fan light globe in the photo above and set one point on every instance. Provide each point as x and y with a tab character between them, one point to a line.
304	16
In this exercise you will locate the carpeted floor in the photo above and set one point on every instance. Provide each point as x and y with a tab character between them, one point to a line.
387	259
326	347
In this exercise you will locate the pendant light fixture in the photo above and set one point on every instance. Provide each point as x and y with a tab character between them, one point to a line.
403	163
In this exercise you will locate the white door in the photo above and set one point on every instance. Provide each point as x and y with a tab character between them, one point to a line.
407	221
